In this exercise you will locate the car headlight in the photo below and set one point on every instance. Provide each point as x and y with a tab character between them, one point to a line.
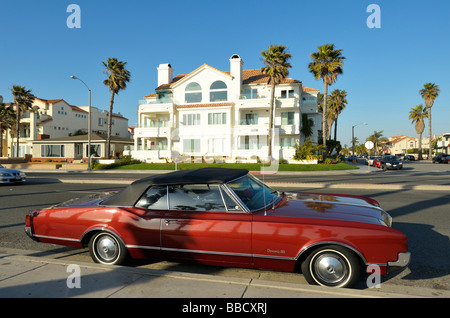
388	163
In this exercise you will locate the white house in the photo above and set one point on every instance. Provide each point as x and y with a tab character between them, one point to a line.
55	118
221	114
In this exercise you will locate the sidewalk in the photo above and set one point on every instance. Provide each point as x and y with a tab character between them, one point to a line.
25	276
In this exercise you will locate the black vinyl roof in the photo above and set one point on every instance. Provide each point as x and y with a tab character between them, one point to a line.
131	194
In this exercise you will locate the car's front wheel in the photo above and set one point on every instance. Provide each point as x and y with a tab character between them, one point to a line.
333	266
106	248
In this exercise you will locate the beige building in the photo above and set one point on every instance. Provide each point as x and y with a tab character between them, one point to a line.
55	118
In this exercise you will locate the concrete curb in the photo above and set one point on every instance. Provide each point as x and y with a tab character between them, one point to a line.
30	276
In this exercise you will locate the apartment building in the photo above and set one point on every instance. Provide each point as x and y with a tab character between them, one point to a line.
210	113
55	119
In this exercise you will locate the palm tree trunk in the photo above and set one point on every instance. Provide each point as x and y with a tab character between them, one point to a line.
108	137
430	154
335	129
419	157
1	142
324	119
272	103
17	131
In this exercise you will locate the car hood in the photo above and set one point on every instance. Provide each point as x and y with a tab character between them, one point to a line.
332	207
6	170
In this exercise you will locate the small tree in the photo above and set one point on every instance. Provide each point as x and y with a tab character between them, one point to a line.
276	66
117	80
417	115
7	119
23	101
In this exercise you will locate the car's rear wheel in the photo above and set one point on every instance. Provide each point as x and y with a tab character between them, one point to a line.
333	266
106	248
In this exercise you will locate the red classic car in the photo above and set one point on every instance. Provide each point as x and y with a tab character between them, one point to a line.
228	217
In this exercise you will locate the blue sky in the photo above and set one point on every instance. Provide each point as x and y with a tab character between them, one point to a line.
383	72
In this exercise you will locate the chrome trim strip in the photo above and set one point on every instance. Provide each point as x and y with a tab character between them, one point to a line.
144	247
57	238
167	249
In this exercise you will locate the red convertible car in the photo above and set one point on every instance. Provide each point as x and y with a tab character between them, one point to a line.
228	217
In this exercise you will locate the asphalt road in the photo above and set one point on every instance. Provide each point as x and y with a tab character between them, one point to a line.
421	215
413	173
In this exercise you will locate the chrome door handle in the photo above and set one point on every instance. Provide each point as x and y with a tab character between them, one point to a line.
167	221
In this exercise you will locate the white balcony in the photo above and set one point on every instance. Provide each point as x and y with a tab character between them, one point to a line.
153	132
151	155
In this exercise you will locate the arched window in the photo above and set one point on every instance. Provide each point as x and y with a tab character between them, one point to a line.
218	92
193	93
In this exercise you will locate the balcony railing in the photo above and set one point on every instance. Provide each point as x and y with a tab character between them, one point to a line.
156	102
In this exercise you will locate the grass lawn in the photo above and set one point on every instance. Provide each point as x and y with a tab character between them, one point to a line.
248	166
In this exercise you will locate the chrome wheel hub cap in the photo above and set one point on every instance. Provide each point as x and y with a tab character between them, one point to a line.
330	268
107	248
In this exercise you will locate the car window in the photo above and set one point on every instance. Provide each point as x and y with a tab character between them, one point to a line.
154	198
196	197
253	193
231	205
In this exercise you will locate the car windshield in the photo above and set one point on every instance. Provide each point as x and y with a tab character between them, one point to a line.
390	158
252	192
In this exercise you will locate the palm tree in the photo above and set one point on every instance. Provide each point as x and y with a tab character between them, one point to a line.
326	65
337	104
377	139
276	66
117	80
23	100
429	92
7	119
417	115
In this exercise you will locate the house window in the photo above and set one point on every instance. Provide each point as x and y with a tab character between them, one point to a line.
193	93
95	150
218	92
287	142
287	93
287	118
191	145
217	118
250	119
191	119
52	151
216	145
250	142
250	93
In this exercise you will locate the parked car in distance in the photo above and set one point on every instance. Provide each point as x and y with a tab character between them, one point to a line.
409	157
11	175
441	158
377	162
369	160
390	162
228	217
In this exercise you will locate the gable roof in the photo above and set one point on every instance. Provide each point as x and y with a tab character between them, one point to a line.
248	77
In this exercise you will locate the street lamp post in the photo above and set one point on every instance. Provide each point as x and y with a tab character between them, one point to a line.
89	122
353	140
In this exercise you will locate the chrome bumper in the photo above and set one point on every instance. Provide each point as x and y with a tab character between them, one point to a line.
30	234
400	263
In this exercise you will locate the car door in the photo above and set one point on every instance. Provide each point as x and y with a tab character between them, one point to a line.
200	226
